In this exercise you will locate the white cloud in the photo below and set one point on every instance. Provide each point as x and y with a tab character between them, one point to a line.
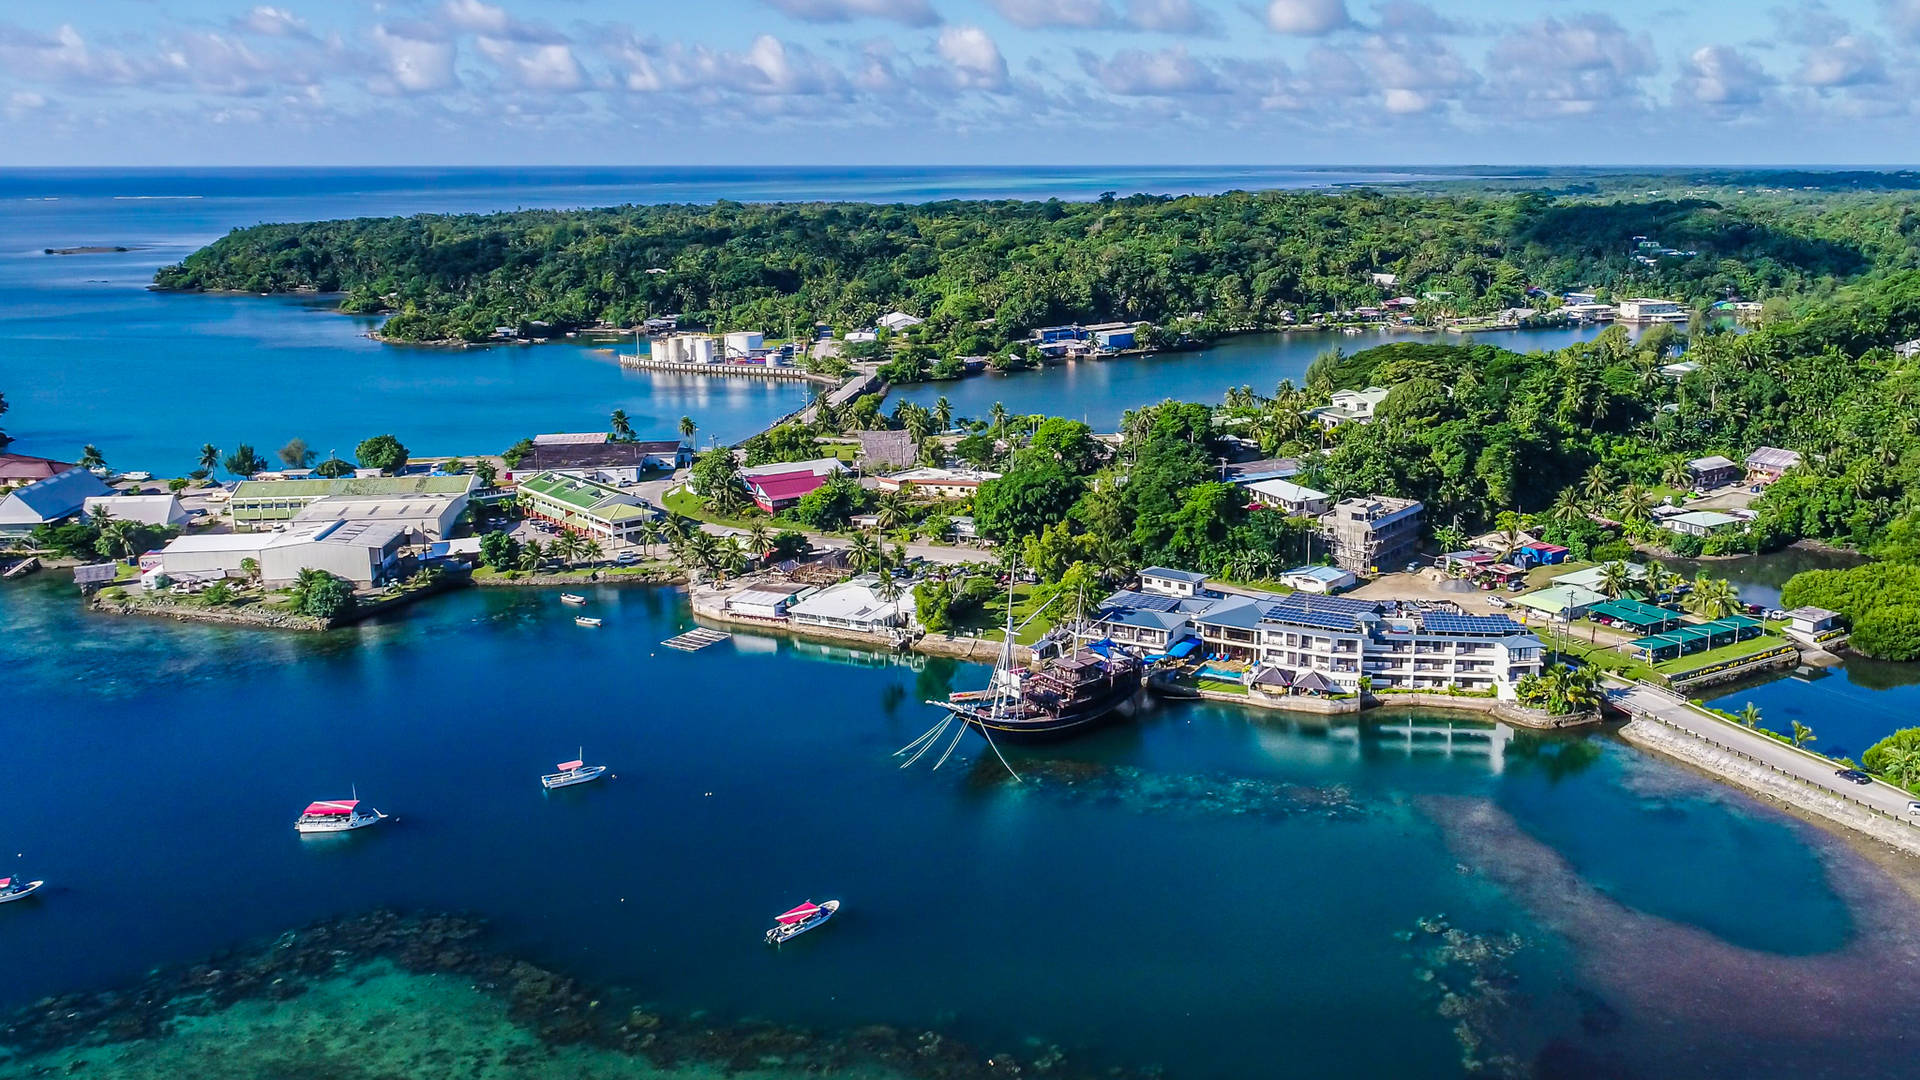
491	20
412	60
1845	61
1167	72
1574	66
545	67
1722	79
272	22
769	67
23	103
973	60
907	12
1171	17
1307	17
1069	14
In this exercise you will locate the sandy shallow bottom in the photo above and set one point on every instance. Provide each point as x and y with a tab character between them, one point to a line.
374	1022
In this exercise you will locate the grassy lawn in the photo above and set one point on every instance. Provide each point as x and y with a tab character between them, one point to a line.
1257	584
1219	686
686	504
1736	651
1599	656
991	619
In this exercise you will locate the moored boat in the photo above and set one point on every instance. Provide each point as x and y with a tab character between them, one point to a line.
13	888
336	815
585	620
573	598
1055	699
791	924
572	772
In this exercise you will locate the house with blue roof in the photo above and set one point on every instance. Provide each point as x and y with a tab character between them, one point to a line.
45	502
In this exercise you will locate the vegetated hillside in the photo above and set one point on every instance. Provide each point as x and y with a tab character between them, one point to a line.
1238	260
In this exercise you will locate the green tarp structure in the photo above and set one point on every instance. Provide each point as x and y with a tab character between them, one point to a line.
1642	617
1697	637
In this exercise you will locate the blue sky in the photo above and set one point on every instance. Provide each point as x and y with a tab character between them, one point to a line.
184	82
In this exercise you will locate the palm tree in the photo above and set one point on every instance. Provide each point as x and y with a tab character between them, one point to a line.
1900	765
567	546
702	551
90	457
729	556
943	412
891	511
1802	734
531	556
589	549
622	427
917	421
1615	579
649	536
997	416
864	551
1676	475
760	539
117	536
1449	538
1635	504
1596	484
209	456
1566	508
1749	715
1657	581
687	428
1714	598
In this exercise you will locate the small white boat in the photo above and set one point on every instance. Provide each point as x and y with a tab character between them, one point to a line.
791	924
573	598
572	772
585	620
13	888
336	815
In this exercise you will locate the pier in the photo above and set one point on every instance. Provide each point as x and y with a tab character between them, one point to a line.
723	368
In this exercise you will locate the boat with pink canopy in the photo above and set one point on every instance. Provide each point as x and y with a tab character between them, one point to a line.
15	888
791	924
573	772
336	815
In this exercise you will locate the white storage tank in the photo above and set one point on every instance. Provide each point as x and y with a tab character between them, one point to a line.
702	349
742	344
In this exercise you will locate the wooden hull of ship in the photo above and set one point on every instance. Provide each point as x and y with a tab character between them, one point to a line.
1087	717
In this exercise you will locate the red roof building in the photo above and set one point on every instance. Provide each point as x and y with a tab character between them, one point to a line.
17	470
777	491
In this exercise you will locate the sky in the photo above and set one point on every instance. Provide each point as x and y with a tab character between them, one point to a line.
1001	82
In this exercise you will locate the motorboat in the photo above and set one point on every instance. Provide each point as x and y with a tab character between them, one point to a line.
572	772
336	815
585	620
573	598
13	888
791	924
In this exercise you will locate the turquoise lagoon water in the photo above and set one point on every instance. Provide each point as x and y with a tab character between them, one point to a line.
1221	893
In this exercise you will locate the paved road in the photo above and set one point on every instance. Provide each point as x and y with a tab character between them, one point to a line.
1641	700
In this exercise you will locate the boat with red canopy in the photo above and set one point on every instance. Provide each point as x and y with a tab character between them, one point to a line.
336	815
791	924
13	888
573	772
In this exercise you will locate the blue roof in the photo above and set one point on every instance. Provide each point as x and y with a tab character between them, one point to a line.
1318	573
1187	576
1156	620
1237	611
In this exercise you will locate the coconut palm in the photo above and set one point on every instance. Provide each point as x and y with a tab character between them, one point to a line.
1635	504
1900	765
1714	598
702	550
891	511
649	536
865	552
209	456
589	549
1802	734
729	556
687	428
1566	509
567	547
1596	484
1615	579
760	539
622	427
1657	581
90	457
117	537
943	413
997	417
1676	475
531	556
1748	715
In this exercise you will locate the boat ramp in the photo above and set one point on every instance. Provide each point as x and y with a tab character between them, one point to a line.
696	639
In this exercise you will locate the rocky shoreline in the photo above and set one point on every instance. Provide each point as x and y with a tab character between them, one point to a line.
650	576
1758	780
554	1007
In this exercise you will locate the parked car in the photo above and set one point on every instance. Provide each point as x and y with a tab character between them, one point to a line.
1913	808
1854	775
626	558
1496	600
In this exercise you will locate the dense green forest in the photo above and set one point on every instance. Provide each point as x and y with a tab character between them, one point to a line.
985	272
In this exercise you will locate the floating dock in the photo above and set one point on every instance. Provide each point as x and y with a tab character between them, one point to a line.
696	639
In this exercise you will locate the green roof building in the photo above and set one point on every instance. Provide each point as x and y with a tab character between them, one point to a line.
257	503
586	506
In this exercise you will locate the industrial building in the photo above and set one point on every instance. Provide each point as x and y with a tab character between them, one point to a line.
265	503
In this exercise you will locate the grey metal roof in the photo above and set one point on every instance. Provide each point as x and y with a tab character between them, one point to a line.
1187	576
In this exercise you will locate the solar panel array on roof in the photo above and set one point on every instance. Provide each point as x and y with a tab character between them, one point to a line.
1344	604
1139	601
1442	623
1316	620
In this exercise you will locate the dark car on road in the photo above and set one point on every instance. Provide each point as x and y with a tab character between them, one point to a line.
1854	775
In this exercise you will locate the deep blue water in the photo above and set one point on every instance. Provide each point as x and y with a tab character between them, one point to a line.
1849	707
154	769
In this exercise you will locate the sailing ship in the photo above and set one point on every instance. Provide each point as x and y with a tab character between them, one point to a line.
791	924
585	620
13	888
336	815
573	598
573	772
